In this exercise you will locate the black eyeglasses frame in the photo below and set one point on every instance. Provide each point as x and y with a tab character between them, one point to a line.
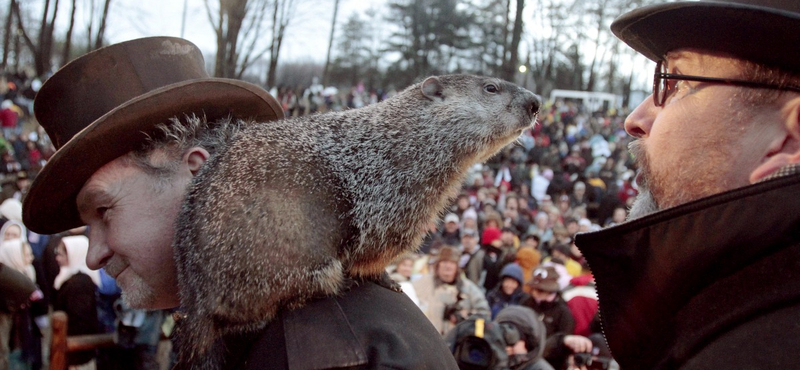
658	77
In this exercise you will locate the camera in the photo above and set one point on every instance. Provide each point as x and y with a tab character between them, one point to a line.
592	362
453	311
478	344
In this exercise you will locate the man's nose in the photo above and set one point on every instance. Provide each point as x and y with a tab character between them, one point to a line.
639	123
99	253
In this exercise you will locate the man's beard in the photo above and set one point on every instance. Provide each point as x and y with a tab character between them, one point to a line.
681	183
645	203
136	293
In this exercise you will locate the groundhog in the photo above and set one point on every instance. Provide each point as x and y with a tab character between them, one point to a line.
289	209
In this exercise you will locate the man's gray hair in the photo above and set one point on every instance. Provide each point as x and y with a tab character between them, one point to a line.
173	139
752	71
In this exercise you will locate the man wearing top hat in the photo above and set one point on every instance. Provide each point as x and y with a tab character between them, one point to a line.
133	123
705	274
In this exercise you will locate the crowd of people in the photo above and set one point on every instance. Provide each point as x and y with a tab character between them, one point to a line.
508	238
505	276
512	224
56	264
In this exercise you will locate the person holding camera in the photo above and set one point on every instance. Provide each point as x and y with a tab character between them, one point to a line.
526	352
446	297
513	341
557	318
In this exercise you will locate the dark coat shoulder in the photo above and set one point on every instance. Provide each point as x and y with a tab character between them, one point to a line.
367	327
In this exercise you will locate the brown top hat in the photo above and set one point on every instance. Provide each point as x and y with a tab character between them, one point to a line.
763	31
105	103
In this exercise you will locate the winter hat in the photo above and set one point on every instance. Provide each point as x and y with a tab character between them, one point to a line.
11	209
513	271
23	232
527	322
490	234
528	259
451	217
469	232
548	174
546	279
13	254
448	254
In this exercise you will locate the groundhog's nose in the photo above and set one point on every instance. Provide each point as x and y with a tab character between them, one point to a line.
535	103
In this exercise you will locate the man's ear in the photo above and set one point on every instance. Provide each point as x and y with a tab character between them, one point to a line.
195	158
785	148
793	118
792	124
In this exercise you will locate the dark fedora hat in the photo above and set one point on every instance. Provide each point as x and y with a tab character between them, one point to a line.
762	31
105	104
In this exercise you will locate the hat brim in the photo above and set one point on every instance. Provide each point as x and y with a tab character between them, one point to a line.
750	32
50	207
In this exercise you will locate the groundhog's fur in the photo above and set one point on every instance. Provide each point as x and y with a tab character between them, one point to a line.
289	208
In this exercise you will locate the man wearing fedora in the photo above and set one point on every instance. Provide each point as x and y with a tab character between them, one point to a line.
705	274
133	123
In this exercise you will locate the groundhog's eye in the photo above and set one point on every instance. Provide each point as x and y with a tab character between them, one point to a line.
491	88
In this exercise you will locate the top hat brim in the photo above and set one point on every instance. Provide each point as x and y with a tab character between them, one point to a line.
50	204
756	33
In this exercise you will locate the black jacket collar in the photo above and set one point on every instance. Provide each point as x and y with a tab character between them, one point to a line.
649	269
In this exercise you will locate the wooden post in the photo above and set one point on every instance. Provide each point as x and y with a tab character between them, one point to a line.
58	342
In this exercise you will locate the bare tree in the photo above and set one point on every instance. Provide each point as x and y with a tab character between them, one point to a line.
240	27
510	64
65	56
101	30
546	44
42	48
282	15
330	44
230	17
94	40
7	35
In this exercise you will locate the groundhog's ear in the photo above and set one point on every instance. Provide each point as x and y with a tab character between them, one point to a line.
432	89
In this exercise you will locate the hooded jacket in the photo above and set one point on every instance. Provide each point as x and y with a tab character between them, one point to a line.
711	284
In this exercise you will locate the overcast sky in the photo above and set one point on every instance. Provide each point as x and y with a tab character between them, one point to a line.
307	36
306	39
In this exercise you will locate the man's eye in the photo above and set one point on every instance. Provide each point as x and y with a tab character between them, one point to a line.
671	86
101	211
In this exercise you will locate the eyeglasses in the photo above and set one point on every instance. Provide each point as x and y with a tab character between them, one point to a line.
662	89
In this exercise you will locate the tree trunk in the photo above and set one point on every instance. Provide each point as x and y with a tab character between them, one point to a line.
98	41
219	60
504	65
513	58
43	27
600	27
47	41
236	11
68	42
330	44
275	45
626	90
7	36
25	37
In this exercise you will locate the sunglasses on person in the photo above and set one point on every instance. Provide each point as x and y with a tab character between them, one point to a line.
663	89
